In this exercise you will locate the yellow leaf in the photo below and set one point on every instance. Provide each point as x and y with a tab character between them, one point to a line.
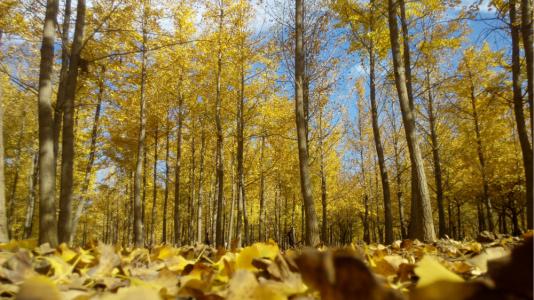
66	253
429	271
39	288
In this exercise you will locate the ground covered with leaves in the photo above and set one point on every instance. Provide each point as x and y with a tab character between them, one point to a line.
501	268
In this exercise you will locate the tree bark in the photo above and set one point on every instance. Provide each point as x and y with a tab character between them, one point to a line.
12	203
527	30
219	239
47	161
138	226
67	146
200	185
30	202
436	160
178	169
388	217
312	230
261	219
4	234
422	226
166	196
154	188
63	75
526	148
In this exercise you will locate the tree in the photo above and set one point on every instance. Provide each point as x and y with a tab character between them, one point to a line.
421	226
67	149
47	162
312	231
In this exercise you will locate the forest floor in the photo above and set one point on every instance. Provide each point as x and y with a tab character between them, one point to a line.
446	269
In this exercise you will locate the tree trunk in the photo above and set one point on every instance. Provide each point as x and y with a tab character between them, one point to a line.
388	217
220	140
47	161
396	153
436	160
482	160
312	230
4	234
67	146
30	202
527	30
241	212
63	75
200	185
178	169
322	171
139	238
526	148
92	152
261	219
422	226
166	197
11	220
154	187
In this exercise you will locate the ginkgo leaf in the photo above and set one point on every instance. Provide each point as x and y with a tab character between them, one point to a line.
429	271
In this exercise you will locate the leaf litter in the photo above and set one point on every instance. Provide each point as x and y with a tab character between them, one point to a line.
499	268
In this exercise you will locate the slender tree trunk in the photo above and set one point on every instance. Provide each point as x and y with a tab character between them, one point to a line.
166	197
178	169
12	202
526	148
232	204
90	162
200	185
192	184
322	172
137	205
482	160
436	160
219	239
241	212
154	187
47	161
67	146
30	202
388	217
312	230
262	217
527	30
422	226
4	234
63	75
398	179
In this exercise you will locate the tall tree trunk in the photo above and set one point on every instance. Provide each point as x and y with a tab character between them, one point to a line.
312	230
436	160
192	185
262	226
486	201
241	211
232	205
90	162
178	169
220	140
154	188
166	197
422	226
4	234
398	179
47	161
30	202
200	185
63	75
322	172
12	203
139	238
67	146
388	217
526	148
527	30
